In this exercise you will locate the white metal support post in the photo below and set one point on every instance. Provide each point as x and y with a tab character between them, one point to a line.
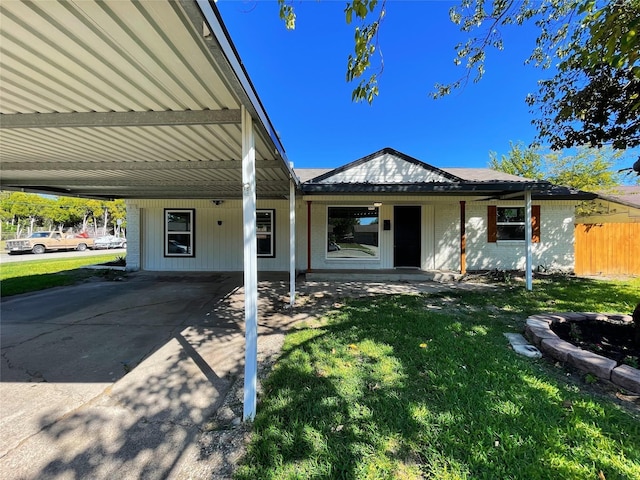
292	242
250	266
527	238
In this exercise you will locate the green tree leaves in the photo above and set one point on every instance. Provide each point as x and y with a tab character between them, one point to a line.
365	43
29	210
521	160
588	169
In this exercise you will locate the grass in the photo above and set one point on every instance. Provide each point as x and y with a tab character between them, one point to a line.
38	274
357	246
425	387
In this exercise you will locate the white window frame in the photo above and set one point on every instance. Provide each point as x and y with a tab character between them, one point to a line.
271	234
191	233
350	259
499	224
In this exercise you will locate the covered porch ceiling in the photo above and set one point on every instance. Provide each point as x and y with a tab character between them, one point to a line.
128	99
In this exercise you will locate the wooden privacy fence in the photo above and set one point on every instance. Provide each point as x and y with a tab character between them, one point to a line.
607	249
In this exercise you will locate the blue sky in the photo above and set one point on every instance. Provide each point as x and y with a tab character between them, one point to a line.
300	78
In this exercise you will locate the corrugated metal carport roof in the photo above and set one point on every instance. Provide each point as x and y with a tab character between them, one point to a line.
128	99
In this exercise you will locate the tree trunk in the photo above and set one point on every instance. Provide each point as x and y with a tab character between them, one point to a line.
106	218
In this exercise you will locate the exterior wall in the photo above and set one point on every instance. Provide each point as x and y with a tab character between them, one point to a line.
440	233
218	247
554	251
447	236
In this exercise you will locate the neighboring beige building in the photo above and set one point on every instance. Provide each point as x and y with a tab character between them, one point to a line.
619	206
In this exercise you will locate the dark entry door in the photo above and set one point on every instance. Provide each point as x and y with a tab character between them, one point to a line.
406	236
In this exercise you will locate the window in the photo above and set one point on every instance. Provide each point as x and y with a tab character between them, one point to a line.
179	233
508	223
353	232
265	233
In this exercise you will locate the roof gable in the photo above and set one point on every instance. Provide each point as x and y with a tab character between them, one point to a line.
386	166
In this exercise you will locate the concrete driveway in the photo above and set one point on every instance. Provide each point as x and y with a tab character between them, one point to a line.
116	379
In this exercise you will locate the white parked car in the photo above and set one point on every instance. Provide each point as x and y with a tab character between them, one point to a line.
110	241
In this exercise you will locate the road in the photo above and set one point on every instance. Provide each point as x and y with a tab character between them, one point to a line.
25	257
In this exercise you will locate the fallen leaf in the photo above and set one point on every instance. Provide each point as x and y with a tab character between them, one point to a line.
628	398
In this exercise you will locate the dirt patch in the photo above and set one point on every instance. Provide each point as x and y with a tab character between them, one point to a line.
607	337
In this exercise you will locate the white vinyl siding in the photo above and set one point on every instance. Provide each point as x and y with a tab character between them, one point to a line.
387	169
554	251
218	236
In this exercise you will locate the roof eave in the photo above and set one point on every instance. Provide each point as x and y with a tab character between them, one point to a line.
458	188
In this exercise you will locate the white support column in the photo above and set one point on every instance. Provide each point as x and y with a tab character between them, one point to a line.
134	237
250	266
292	242
527	239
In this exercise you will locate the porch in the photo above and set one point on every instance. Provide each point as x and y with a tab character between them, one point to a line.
383	275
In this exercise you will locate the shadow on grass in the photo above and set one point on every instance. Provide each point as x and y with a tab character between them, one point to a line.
396	388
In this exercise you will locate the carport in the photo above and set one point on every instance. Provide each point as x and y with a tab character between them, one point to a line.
127	99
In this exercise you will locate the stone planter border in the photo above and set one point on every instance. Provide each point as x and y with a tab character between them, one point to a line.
538	331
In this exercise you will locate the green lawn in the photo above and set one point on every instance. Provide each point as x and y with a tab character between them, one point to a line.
38	274
426	387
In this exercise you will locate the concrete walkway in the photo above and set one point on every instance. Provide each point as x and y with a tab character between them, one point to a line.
118	379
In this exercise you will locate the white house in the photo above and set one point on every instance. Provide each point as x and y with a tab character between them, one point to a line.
150	102
381	212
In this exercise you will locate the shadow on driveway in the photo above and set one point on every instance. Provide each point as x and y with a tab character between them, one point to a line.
116	379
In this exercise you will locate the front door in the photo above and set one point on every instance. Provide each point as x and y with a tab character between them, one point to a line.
406	236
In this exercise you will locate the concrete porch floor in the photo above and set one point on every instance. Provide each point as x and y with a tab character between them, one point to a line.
388	275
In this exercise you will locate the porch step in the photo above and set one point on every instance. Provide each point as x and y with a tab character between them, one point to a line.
394	275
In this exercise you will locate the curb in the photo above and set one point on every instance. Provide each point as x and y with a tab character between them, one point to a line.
538	331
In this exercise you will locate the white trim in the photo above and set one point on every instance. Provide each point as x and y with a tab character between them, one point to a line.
292	242
190	253
235	63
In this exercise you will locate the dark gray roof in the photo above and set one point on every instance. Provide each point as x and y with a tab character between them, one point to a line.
485	175
450	181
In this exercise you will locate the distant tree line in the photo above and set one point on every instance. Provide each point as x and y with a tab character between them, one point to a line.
23	213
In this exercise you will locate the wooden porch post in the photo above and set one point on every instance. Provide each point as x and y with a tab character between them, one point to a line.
250	266
527	239
463	238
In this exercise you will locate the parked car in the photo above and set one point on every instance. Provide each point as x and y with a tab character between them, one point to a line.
110	241
41	242
175	247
